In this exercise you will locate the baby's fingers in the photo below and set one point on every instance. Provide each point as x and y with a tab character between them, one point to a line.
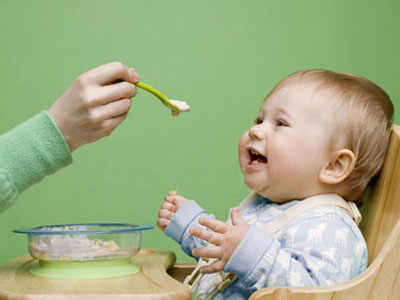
208	236
174	199
218	266
166	214
162	223
168	206
214	225
173	193
207	252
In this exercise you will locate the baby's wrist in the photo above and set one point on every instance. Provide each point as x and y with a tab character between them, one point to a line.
180	205
253	246
182	220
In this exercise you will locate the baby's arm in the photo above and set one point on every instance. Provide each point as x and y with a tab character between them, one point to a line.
176	216
316	251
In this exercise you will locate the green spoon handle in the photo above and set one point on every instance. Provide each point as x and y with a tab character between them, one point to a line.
158	94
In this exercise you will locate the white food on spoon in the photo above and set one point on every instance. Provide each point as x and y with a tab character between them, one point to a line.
182	105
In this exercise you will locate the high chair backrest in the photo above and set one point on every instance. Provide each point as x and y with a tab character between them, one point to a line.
381	229
382	208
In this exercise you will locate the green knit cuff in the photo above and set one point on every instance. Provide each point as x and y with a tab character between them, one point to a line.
32	150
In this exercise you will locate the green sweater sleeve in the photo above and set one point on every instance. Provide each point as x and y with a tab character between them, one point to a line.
29	152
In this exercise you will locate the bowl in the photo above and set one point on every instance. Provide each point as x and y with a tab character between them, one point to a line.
84	242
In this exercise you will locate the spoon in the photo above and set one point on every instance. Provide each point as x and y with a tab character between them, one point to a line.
176	106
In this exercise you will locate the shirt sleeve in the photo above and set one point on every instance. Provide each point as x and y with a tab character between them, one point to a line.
317	251
178	229
29	152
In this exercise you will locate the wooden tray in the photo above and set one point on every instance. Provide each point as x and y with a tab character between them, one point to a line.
152	282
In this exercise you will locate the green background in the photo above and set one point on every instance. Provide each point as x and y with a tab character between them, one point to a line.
222	57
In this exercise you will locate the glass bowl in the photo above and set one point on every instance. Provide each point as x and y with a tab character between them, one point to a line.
84	242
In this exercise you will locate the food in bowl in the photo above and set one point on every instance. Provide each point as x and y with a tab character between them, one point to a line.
84	242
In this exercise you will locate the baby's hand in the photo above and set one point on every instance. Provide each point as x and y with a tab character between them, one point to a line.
96	103
225	237
173	202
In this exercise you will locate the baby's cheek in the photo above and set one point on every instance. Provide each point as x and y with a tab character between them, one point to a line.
282	162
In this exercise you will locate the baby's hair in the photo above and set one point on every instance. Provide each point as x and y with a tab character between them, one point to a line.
364	115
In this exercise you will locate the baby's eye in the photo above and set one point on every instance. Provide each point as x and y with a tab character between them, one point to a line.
281	123
258	121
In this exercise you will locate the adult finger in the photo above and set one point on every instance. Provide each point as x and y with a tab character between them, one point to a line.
206	235
115	91
236	217
207	252
110	124
110	72
214	225
111	110
213	268
173	193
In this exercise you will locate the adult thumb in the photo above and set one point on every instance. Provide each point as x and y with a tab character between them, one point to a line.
236	217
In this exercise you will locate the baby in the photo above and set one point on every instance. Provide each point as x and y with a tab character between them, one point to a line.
319	135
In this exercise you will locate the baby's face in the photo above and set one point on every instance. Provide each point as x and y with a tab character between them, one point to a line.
282	155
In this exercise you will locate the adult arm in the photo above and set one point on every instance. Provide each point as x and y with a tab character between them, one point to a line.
28	153
93	106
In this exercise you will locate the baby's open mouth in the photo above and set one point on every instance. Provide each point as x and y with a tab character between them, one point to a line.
255	156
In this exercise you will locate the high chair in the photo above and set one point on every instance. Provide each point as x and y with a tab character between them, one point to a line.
381	229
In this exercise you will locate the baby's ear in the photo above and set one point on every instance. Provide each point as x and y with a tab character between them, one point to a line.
339	167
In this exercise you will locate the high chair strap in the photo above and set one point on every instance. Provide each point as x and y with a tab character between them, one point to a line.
192	281
291	213
222	280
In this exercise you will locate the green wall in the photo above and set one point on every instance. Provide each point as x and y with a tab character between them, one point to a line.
222	57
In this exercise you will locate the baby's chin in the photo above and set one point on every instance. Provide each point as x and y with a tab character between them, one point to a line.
262	190
249	182
281	198
268	193
274	198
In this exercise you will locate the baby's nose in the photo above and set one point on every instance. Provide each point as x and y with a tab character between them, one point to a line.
256	133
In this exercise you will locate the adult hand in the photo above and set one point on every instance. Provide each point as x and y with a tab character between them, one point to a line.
225	237
95	104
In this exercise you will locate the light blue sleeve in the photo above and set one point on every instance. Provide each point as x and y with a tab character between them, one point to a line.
184	218
311	251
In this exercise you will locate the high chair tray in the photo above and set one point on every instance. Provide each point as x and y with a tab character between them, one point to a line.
152	282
